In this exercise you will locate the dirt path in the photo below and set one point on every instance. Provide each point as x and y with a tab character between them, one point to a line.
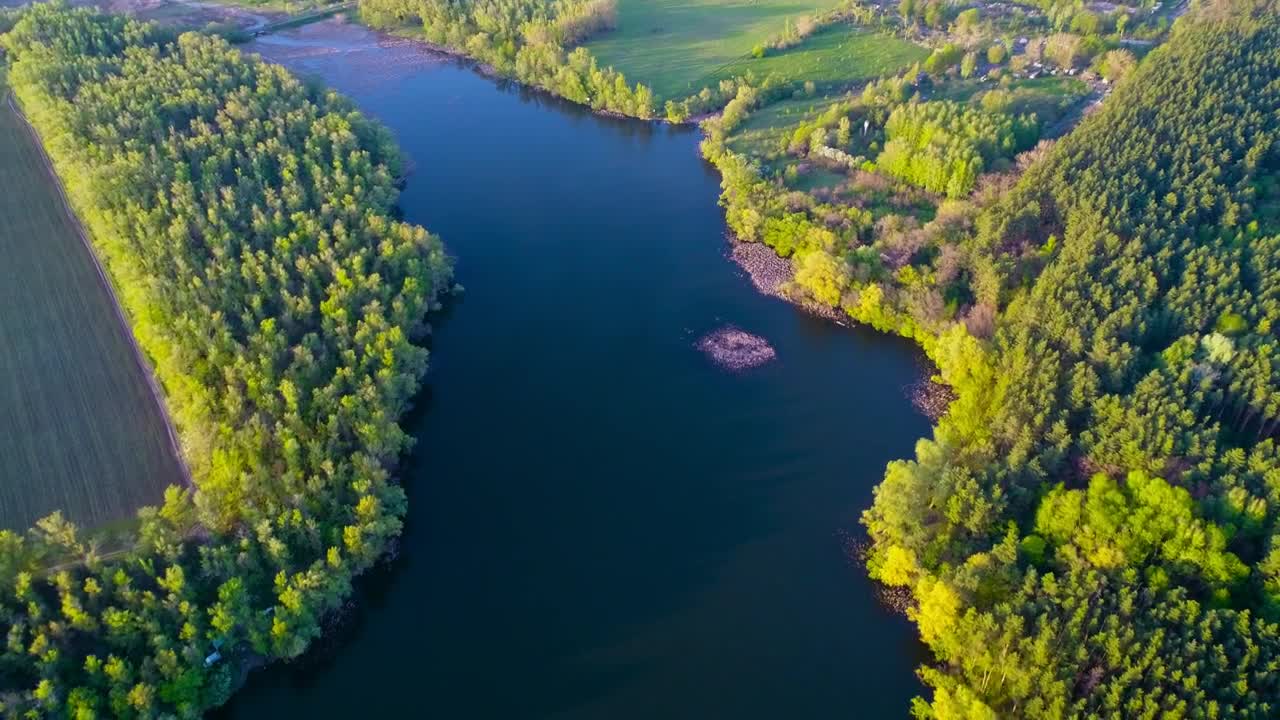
145	367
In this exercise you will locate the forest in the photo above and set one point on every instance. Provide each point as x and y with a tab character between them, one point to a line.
1092	530
246	218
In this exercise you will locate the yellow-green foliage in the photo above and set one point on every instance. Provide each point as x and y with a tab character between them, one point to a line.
1092	529
1139	521
944	146
527	40
246	218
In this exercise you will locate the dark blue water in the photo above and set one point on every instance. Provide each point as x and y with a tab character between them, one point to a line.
604	524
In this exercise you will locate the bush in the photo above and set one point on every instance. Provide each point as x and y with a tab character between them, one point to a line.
1115	64
1064	49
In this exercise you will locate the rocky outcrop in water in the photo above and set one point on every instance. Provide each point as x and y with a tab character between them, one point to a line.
735	349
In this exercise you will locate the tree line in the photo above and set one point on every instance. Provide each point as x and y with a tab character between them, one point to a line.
247	219
526	40
1093	528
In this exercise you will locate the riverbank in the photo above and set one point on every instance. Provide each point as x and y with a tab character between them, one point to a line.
770	274
603	521
774	276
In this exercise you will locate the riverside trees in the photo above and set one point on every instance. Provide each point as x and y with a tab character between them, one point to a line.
1092	529
527	40
246	220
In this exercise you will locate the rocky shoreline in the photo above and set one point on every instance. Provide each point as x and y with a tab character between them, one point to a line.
772	275
768	272
894	599
931	398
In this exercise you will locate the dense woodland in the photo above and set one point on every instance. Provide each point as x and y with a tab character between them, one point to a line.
1094	527
246	219
1092	530
526	40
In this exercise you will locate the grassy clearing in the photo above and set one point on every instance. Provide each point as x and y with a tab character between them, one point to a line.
837	55
817	179
765	135
1061	87
677	46
766	129
82	431
1046	88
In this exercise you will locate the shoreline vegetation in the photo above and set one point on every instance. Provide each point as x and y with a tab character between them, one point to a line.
1102	469
1093	524
1093	527
525	41
245	218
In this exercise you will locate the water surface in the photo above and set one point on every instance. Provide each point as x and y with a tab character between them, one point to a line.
603	523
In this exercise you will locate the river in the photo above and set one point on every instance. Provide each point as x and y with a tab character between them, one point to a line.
603	523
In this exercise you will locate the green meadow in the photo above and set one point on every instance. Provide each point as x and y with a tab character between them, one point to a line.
833	56
677	47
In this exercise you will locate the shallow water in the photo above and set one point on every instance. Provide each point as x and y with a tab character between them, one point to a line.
603	523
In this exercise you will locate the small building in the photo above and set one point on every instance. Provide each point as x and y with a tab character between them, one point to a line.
216	655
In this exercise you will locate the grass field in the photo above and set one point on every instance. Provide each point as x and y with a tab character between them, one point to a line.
835	55
676	46
82	432
764	130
